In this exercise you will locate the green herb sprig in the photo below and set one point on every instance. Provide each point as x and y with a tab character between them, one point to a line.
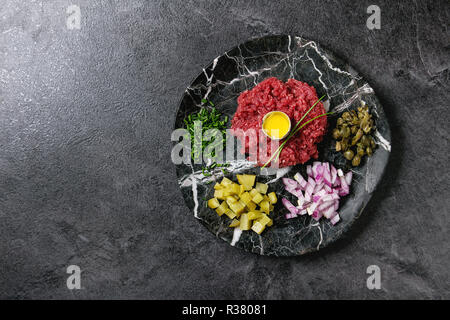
295	130
210	118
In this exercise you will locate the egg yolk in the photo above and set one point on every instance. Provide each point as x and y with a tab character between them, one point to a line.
276	125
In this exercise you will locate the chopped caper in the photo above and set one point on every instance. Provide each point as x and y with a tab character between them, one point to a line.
336	134
347	132
360	151
349	154
357	136
356	160
365	141
367	128
346	116
344	145
352	134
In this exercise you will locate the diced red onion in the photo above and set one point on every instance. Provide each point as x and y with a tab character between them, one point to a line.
336	205
317	215
337	182
295	192
327	178
333	174
309	170
301	181
344	190
348	177
328	213
318	187
322	190
327	188
290	183
292	209
325	205
330	197
319	173
335	219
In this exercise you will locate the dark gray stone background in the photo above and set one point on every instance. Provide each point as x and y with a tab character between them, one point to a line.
85	170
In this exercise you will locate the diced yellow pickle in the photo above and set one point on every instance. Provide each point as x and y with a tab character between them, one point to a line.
265	206
254	192
245	208
241	189
247	180
271	207
264	220
226	181
229	203
237	207
251	205
253	215
273	198
230	214
262	187
244	222
235	188
257	198
270	223
213	203
218	186
219	194
227	192
230	199
243	203
240	180
258	227
235	223
222	208
266	197
246	197
250	179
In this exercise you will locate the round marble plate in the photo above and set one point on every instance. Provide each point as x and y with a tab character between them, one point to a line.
284	57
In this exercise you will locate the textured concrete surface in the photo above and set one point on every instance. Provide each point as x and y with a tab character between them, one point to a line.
85	173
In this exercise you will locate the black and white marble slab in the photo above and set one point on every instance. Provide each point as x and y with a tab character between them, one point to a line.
284	57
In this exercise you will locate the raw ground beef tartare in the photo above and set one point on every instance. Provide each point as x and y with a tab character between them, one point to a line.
293	98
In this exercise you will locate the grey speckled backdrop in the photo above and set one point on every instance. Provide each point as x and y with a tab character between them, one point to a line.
85	176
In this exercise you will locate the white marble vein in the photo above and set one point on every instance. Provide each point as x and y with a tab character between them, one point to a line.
236	236
382	141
